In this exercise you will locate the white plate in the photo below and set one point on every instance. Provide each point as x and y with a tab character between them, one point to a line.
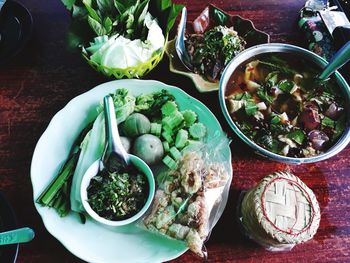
91	241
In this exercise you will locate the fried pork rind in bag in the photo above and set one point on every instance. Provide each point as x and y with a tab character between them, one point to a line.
190	200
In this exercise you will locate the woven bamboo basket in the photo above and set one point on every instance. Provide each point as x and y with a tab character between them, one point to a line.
280	212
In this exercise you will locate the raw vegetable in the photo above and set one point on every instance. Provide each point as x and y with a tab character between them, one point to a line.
197	130
149	148
156	129
91	150
126	142
135	29
168	161
56	195
170	131
166	146
190	117
175	153
169	108
136	124
154	103
181	138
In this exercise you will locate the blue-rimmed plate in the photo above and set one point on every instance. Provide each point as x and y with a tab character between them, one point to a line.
91	241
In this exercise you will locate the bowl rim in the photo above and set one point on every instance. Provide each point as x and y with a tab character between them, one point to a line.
139	163
275	48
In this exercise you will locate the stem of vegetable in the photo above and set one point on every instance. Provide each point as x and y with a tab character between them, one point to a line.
55	195
67	171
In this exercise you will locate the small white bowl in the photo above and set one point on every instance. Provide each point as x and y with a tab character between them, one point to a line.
93	171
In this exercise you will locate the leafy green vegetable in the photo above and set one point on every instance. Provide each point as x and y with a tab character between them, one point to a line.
155	105
297	135
284	68
166	12
68	4
124	104
272	78
275	119
286	85
109	17
262	94
219	16
328	122
339	127
250	108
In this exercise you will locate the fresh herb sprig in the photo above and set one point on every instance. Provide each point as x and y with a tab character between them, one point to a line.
93	18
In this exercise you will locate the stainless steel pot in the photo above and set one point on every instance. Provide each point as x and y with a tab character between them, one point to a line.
298	52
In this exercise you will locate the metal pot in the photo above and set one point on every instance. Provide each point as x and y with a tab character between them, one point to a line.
299	52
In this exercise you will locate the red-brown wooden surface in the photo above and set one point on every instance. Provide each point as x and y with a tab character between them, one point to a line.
39	82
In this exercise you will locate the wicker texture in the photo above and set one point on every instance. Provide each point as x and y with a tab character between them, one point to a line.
280	212
131	72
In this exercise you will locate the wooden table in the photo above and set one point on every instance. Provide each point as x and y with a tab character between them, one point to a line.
40	81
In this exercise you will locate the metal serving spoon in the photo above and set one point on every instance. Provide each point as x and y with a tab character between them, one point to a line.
180	42
337	61
20	235
115	156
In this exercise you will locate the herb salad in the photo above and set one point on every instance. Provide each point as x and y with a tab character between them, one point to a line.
210	52
117	195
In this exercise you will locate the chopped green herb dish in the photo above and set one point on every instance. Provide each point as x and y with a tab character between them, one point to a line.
277	102
211	51
117	196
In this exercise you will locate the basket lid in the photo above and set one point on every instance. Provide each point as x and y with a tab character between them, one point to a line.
286	208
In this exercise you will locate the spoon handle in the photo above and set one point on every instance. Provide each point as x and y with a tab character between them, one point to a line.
113	142
180	41
338	60
20	235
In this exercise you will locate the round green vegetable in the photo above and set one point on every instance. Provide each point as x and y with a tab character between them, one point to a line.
149	148
126	142
136	124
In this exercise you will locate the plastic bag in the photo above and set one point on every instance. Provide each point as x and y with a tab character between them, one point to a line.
190	200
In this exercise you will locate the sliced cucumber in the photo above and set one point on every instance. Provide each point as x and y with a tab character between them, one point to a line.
168	161
168	137
156	129
166	146
169	108
190	117
173	121
175	153
197	130
181	138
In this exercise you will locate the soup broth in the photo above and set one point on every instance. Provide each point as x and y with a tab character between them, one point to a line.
276	100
